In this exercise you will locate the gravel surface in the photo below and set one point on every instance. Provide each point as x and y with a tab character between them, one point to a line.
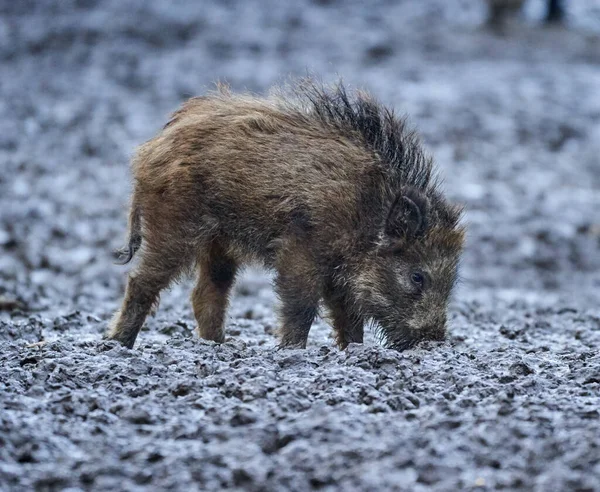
510	401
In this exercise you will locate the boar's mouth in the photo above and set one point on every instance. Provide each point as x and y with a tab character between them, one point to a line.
402	335
402	345
408	340
399	338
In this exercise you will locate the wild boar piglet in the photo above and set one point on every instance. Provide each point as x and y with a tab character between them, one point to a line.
325	186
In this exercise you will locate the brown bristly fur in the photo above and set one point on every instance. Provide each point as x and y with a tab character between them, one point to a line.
329	189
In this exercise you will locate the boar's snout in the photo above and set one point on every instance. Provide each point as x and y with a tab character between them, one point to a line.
434	332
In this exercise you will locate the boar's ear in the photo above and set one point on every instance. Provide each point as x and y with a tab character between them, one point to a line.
408	215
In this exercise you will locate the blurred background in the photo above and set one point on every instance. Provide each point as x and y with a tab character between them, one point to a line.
507	102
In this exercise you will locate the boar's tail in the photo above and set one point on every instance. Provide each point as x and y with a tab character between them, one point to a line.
125	255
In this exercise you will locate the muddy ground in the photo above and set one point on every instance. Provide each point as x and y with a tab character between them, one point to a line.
510	401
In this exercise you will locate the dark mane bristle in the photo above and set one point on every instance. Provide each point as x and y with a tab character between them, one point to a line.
358	113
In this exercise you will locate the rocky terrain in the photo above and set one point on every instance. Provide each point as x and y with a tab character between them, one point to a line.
510	401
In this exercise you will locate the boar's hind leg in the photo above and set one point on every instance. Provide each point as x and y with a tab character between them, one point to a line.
348	326
209	298
144	284
298	290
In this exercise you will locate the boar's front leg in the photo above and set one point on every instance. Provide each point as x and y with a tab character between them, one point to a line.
297	286
348	326
215	278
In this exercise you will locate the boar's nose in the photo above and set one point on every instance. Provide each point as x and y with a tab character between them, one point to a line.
436	332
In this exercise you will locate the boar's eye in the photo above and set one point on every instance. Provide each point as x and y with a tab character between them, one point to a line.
418	279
